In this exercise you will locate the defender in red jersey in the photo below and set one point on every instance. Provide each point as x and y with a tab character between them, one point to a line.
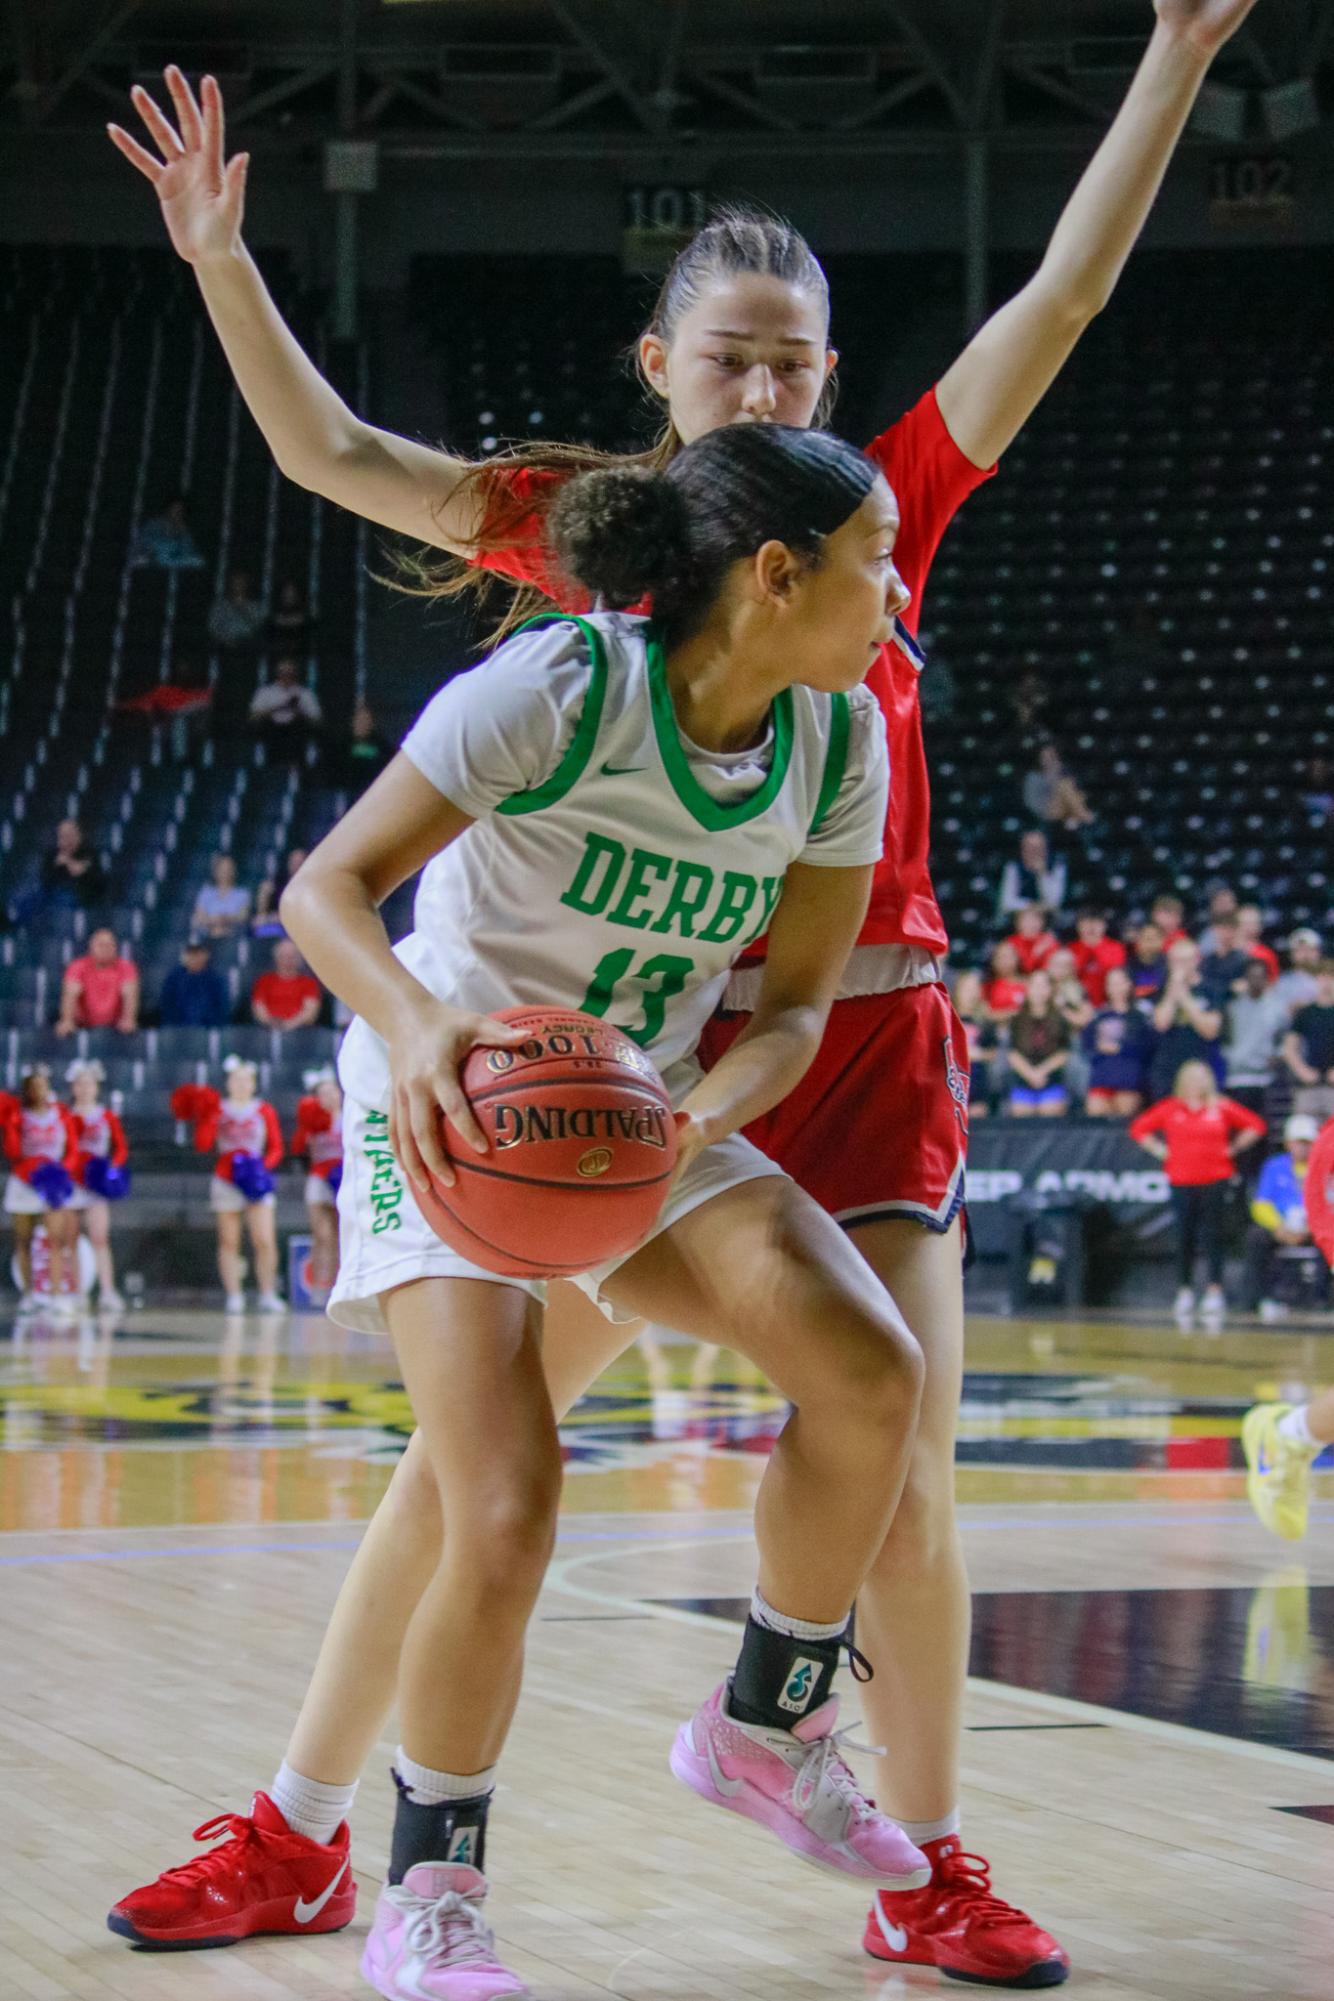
741	335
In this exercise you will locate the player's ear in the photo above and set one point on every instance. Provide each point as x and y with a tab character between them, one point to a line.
775	570
653	364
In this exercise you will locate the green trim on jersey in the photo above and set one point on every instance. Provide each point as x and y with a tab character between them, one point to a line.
836	759
710	812
581	744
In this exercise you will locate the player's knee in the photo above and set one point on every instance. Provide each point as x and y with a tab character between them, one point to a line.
511	1534
877	1366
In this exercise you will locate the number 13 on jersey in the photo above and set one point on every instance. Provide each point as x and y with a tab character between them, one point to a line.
660	979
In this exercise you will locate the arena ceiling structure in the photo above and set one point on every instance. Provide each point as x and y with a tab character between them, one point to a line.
627	79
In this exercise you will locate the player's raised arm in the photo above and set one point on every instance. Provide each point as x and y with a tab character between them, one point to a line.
314	437
993	389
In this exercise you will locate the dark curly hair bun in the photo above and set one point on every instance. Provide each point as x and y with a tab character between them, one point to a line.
624	534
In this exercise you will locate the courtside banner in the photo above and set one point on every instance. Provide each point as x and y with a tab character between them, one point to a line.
1085	1159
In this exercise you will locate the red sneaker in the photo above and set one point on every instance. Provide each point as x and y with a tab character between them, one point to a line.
263	1878
957	1925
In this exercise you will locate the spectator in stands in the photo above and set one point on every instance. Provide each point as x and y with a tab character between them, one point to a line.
1256	1021
1029	700
1317	793
1005	990
72	876
1192	1133
1033	942
1095	953
361	756
1169	914
194	993
1223	908
1033	878
236	619
266	923
287	997
1067	989
166	541
1224	961
1039	1051
1250	936
1148	962
1279	1220
284	713
1052	796
1117	1045
1308	1048
1297	986
100	990
971	1008
1187	1022
222	906
290	623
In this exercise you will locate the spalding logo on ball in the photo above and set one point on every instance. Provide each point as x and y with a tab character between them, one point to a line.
583	1146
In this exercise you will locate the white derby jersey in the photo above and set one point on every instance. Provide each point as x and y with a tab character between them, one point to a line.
612	865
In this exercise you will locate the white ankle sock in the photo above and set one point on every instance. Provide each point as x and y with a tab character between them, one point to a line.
793	1629
1295	1427
309	1808
932	1830
428	1788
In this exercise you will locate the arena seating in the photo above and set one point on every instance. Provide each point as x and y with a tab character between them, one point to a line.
1157	553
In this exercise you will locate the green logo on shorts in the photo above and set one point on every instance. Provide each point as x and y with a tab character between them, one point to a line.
386	1181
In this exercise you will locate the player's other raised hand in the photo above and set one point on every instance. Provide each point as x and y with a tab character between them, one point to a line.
1206	24
202	195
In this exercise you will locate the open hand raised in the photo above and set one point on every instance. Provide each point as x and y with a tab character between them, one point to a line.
202	196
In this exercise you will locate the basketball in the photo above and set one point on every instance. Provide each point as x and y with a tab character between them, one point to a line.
583	1145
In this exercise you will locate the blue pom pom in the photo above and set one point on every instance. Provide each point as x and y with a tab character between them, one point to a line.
52	1183
108	1183
335	1176
251	1176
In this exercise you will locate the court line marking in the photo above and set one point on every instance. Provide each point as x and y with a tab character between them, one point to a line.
1181	1734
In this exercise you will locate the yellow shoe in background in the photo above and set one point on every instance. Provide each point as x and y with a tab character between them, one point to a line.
1278	1477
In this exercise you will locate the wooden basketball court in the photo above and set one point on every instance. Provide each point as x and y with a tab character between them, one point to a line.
1150	1756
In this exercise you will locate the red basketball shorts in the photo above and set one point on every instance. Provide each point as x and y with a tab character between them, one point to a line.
878	1126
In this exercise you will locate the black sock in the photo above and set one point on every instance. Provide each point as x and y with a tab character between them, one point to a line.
778	1680
451	1831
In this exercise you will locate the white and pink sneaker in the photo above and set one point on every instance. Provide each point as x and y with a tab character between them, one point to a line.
795	1783
429	1941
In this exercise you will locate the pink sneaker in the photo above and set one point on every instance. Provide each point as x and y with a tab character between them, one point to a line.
429	1941
795	1783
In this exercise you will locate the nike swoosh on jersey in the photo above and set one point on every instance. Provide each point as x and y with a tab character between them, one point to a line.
621	770
895	1936
304	1912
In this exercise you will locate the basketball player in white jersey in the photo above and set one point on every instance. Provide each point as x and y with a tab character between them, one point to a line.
607	812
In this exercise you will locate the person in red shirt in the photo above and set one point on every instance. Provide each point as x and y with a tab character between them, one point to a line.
100	990
319	1136
1007	989
741	335
39	1142
1169	914
1032	942
287	997
1197	1133
1095	954
100	1176
1250	936
242	1130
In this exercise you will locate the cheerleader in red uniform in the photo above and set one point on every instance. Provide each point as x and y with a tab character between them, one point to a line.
41	1147
319	1135
101	1176
242	1129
